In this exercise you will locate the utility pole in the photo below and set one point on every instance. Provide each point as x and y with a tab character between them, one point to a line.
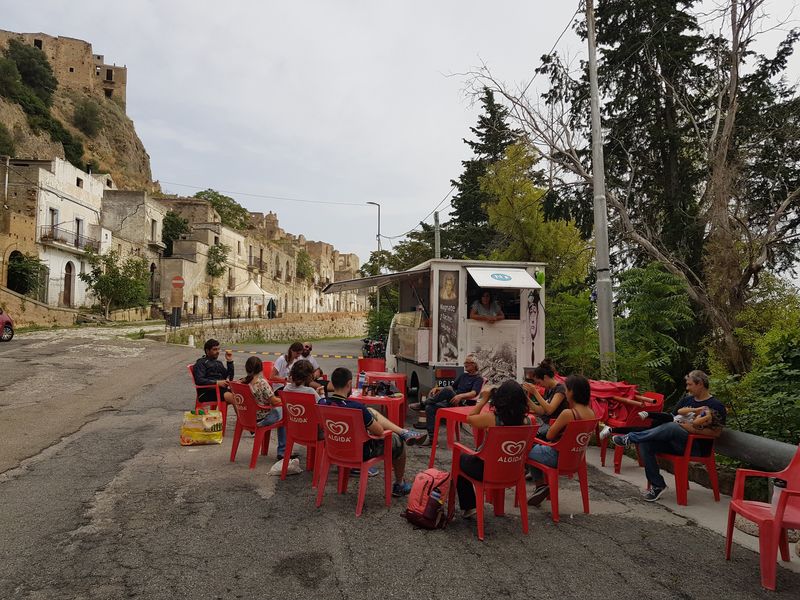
605	307
378	289
437	242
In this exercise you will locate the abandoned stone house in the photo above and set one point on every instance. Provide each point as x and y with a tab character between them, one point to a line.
75	65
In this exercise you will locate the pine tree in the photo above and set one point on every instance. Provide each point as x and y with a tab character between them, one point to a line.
469	231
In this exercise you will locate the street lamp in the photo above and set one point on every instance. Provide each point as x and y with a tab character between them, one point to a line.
378	237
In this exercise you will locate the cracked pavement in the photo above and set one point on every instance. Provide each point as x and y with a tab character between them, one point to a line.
100	501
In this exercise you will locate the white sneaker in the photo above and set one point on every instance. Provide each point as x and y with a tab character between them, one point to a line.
643	415
605	432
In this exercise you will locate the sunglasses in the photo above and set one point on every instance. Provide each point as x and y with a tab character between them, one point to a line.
306	347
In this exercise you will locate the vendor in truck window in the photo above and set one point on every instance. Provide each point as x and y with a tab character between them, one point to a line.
486	309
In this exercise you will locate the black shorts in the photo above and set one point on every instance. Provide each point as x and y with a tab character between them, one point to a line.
374	448
209	395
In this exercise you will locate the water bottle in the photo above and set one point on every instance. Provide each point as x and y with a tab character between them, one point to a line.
437	495
778	485
362	377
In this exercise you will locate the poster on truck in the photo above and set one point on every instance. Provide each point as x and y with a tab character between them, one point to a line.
447	335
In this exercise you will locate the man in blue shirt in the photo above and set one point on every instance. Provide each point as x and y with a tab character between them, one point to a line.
375	423
671	438
463	392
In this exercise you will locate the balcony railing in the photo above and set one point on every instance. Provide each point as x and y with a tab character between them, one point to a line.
69	238
256	263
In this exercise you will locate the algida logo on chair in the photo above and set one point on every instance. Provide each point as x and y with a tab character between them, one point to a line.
296	412
582	440
337	431
512	451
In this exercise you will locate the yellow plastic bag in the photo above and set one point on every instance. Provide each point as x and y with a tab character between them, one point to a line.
201	429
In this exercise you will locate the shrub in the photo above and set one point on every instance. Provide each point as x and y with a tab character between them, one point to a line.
34	69
6	141
87	117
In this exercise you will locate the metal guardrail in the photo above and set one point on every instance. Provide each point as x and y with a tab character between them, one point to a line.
70	238
760	452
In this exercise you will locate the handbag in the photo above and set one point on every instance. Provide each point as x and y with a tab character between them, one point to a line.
201	427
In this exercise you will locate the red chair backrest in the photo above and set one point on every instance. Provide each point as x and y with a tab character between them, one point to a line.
344	432
572	444
504	452
244	404
300	414
791	475
371	364
191	373
266	368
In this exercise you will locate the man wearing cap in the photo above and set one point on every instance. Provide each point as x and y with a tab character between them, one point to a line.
463	392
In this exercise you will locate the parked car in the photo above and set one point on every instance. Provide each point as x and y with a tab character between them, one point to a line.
6	327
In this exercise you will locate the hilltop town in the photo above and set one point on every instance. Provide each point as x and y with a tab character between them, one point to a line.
58	212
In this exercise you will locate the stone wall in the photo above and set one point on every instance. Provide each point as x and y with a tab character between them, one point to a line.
296	327
25	311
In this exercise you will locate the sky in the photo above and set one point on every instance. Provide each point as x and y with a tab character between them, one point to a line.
343	102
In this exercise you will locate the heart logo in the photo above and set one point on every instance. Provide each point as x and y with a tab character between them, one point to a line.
583	439
296	410
512	448
337	427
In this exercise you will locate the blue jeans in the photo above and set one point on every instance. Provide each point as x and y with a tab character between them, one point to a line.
440	400
669	438
542	454
272	417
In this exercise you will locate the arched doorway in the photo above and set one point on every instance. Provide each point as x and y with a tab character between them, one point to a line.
15	279
69	283
154	293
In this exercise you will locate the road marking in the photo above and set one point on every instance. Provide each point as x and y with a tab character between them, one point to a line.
280	353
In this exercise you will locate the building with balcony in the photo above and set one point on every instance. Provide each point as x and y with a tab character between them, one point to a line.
62	205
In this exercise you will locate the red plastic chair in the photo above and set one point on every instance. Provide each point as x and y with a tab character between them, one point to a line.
503	454
571	459
345	436
681	468
218	404
302	427
246	406
371	364
772	521
655	403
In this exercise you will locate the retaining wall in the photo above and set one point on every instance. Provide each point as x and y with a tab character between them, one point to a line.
25	311
299	326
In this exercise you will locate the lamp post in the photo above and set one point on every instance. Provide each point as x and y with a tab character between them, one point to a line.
378	237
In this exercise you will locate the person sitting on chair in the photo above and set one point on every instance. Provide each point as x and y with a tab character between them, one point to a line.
578	395
510	408
209	370
306	354
463	392
280	370
671	437
554	401
376	424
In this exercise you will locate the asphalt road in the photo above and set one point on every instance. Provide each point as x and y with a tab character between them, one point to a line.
102	502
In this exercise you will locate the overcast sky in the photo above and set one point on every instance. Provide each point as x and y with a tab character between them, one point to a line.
338	101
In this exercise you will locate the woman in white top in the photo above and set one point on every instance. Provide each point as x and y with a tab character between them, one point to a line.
486	309
280	370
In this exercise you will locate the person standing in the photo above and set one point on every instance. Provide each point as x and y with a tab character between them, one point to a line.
671	438
209	370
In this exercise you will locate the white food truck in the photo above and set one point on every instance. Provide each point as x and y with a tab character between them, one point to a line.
432	332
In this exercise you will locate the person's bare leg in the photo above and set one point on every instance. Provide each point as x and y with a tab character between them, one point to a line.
384	422
399	466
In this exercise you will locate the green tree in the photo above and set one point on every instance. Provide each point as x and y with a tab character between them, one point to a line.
87	117
652	308
6	142
25	274
231	213
117	282
571	333
517	216
216	259
469	230
34	69
10	79
173	227
305	268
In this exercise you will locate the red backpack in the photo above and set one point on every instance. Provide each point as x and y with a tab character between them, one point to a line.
424	509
